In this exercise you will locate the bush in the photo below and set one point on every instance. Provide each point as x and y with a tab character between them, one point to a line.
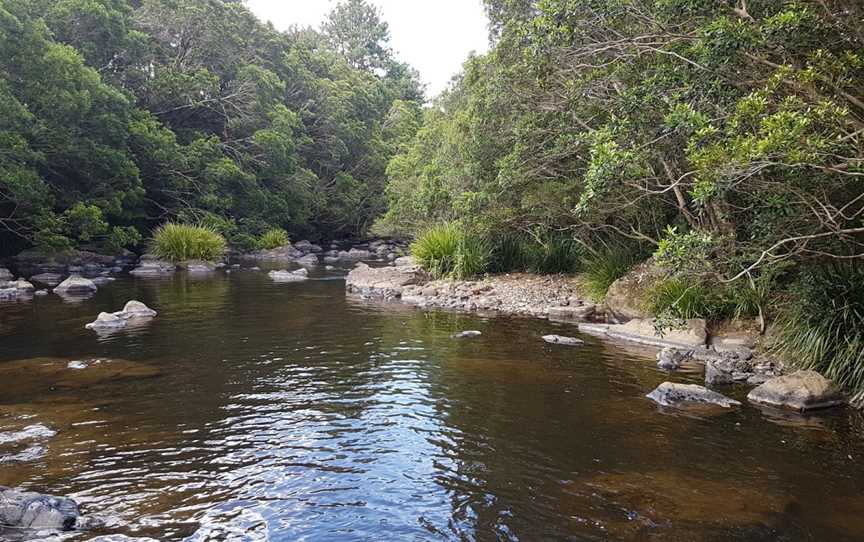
601	270
181	242
273	238
447	251
823	326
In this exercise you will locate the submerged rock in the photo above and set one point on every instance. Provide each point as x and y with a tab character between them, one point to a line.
289	276
802	391
566	341
76	285
671	394
671	359
470	334
27	510
106	321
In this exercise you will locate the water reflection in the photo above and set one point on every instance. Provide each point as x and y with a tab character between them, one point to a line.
253	411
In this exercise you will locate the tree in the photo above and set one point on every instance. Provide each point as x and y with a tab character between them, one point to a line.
356	30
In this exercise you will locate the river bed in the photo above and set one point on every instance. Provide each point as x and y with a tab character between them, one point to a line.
253	410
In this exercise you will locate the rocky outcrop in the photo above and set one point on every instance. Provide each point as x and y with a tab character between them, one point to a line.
565	341
289	276
624	299
76	285
681	395
384	282
21	509
801	391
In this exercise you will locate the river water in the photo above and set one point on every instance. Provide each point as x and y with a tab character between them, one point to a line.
249	410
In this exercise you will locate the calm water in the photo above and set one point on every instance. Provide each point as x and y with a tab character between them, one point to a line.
262	411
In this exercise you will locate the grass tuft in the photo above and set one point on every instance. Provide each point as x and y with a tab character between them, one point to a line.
272	238
181	242
601	270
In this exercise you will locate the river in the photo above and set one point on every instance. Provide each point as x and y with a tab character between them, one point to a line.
251	410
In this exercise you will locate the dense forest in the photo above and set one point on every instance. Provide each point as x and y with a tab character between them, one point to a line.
116	116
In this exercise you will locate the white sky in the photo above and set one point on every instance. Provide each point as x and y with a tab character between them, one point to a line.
434	36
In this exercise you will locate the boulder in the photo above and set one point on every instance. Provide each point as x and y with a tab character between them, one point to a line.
136	309
693	335
674	395
356	254
309	259
23	285
198	267
566	341
671	359
287	253
303	246
75	285
48	279
802	391
404	260
470	334
25	510
289	276
575	313
41	293
149	268
624	299
5	274
385	282
716	374
107	321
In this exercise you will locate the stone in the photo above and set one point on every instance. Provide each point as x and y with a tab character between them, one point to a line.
303	246
48	279
386	282
23	285
671	359
27	510
624	299
41	293
9	293
287	253
198	267
136	309
566	341
673	395
801	391
76	285
693	335
357	254
404	260
716	374
150	268
5	274
576	313
101	281
107	321
470	334
309	259
289	276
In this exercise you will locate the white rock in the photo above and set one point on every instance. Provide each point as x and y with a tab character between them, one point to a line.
106	320
287	276
470	334
136	309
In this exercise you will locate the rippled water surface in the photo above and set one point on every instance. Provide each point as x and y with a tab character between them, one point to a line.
250	410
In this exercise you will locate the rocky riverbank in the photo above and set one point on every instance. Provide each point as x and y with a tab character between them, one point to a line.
730	355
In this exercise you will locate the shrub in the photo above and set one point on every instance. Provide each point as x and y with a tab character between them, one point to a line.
273	238
447	251
823	327
604	268
472	257
180	242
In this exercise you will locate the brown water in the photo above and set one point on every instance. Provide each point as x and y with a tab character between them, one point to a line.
262	411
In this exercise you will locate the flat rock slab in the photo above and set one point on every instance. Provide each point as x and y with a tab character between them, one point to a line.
802	391
680	395
565	341
693	335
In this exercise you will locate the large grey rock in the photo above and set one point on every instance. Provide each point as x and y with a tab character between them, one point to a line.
23	285
76	285
624	300
289	276
107	321
693	335
355	254
385	282
285	253
671	359
26	510
309	259
48	279
802	391
565	341
136	309
675	395
5	274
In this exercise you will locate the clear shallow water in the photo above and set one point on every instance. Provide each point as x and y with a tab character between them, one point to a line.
250	410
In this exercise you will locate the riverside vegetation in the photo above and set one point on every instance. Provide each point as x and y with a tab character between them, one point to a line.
721	139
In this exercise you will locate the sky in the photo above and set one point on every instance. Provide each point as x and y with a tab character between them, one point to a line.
435	37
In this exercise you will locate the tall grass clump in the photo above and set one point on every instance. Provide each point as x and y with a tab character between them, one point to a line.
272	238
687	299
181	242
602	269
822	327
446	251
547	254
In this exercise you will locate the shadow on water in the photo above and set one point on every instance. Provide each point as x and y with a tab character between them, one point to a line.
249	410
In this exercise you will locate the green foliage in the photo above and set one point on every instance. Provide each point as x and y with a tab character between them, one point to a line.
436	249
181	242
602	269
272	238
683	299
554	253
822	326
